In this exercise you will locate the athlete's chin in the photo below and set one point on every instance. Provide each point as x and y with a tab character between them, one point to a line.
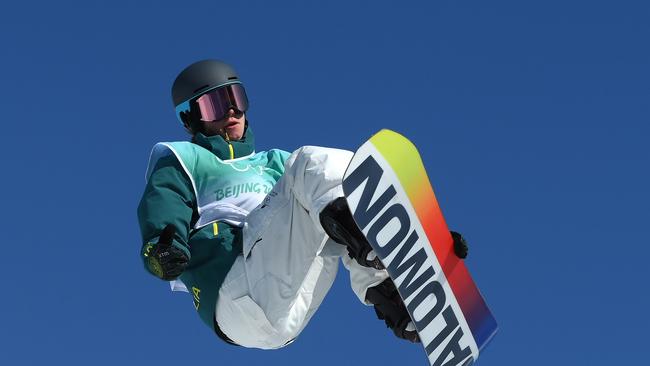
235	130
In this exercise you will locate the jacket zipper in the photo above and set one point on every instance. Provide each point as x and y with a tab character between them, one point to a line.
232	151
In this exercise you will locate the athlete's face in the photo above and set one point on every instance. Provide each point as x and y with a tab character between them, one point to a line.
232	124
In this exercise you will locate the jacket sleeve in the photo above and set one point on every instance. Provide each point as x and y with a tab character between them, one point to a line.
168	198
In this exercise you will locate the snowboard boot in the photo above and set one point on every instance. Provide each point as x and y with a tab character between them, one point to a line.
391	309
338	223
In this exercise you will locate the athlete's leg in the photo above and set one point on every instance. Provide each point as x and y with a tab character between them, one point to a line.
289	263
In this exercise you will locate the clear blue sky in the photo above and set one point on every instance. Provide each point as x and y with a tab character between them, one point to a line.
532	120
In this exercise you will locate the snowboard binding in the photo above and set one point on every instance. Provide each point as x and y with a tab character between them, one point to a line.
391	309
338	223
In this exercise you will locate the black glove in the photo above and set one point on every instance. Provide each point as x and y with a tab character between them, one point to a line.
460	245
163	259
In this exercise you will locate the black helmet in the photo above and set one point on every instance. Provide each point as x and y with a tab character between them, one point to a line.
200	77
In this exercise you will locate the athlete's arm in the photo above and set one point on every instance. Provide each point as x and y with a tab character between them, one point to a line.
168	200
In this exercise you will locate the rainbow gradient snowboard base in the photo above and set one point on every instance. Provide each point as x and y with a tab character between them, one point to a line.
392	201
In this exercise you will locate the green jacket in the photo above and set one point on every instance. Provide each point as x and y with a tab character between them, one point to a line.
186	186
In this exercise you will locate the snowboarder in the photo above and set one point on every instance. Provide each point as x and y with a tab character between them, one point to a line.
254	237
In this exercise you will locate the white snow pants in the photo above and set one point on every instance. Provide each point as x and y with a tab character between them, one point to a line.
289	263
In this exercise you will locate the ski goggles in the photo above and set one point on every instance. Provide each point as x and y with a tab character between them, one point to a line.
215	104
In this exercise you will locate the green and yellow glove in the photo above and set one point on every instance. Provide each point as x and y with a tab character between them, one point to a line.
163	259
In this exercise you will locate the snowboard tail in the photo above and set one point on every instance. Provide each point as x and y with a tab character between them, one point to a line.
394	205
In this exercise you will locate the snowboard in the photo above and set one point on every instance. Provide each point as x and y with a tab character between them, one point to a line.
392	201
